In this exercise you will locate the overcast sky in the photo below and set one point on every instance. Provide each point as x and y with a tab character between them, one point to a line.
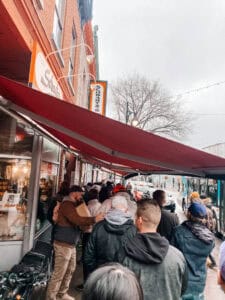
179	42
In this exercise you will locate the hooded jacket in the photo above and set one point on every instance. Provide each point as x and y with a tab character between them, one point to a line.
160	267
107	238
196	242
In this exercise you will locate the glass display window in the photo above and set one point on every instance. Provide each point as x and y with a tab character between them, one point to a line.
50	151
16	143
48	180
14	182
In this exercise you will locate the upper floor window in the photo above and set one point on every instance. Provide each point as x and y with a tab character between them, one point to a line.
72	57
58	22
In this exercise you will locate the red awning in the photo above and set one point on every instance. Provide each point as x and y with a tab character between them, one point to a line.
108	142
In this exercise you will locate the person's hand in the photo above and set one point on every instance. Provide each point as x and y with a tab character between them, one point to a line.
100	217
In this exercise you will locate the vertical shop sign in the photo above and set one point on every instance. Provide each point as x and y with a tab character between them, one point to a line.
98	91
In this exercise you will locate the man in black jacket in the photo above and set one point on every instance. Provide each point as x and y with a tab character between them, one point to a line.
168	220
109	235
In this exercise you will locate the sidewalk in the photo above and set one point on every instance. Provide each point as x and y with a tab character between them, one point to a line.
213	290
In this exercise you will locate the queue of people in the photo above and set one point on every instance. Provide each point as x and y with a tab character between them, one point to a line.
131	250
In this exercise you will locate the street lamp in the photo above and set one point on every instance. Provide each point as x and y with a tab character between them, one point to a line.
71	47
74	75
128	112
90	58
134	121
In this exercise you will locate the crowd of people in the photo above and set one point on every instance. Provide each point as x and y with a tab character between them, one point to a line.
131	250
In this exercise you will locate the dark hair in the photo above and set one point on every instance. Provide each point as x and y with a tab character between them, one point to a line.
112	282
158	195
64	189
75	189
92	194
105	193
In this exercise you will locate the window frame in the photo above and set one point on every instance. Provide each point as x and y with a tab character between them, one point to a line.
58	20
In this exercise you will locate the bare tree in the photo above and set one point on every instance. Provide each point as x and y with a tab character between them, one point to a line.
148	105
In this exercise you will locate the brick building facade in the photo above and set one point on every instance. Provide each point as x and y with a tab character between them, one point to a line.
45	26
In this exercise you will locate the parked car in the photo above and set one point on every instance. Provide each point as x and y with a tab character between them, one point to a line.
141	192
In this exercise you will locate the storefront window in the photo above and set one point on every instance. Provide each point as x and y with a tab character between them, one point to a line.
16	141
15	137
50	152
48	181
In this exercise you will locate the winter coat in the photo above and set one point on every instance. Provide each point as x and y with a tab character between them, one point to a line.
107	238
167	224
211	218
196	242
161	268
93	207
66	230
106	206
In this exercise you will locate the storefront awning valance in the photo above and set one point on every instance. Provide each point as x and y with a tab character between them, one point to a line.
106	141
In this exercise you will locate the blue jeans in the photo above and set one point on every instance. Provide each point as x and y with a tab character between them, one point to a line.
193	297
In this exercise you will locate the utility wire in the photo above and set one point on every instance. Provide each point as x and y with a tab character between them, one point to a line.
198	89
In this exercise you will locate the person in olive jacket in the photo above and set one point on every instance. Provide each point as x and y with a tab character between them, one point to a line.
66	236
109	235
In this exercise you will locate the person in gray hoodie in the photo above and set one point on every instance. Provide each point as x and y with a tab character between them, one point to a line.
161	268
109	235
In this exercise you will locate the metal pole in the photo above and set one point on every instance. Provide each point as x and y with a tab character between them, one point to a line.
127	112
79	74
32	207
222	210
68	48
96	51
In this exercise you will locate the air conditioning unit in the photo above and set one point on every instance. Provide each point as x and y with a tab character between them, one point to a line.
40	4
